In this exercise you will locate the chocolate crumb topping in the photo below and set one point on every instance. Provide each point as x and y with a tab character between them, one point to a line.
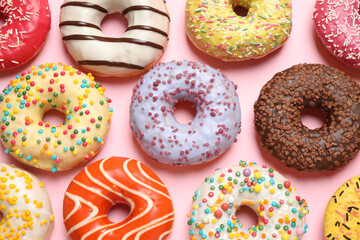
278	117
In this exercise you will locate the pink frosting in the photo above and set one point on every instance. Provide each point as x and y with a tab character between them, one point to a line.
24	32
338	26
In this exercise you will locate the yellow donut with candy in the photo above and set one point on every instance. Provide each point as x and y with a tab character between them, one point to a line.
54	86
215	28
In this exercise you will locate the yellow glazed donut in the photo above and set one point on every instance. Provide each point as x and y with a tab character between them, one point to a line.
342	219
217	30
34	142
25	206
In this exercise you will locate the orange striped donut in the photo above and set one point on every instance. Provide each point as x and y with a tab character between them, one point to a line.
114	180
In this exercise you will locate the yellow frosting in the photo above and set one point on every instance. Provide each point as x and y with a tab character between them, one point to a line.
217	30
342	215
40	144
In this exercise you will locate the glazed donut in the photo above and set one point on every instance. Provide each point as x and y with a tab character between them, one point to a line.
42	145
281	212
215	29
342	219
207	136
278	117
24	32
25	206
135	52
337	25
114	180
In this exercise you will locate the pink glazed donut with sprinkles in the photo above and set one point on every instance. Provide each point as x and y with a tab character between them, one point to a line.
337	25
27	24
207	136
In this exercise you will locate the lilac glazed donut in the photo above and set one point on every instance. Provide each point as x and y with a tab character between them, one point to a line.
207	136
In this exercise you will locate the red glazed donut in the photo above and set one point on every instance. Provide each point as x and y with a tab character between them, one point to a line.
24	32
118	180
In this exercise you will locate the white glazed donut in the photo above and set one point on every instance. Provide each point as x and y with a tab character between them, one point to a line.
135	52
281	212
25	206
207	136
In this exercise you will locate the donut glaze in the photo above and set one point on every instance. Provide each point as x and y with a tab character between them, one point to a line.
135	52
114	180
341	220
337	25
278	117
54	148
215	29
207	136
24	32
25	206
281	212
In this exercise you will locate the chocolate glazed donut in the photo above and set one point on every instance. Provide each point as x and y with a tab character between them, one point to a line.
278	117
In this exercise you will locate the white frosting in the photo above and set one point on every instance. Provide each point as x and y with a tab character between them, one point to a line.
143	56
25	202
207	136
272	198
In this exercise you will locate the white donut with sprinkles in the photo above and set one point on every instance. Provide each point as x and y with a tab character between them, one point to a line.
338	24
25	206
281	212
135	52
207	136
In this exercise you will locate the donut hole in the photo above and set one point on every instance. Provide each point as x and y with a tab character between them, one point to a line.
54	117
247	217
184	111
241	10
313	118
118	212
114	25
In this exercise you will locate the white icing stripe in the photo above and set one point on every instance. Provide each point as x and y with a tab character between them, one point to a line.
149	201
164	234
95	230
147	225
90	189
128	173
90	218
138	235
130	201
147	176
76	207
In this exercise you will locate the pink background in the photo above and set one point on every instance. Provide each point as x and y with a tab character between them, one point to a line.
303	46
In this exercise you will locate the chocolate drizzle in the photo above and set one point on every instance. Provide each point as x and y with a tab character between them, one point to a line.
85	4
147	28
142	7
110	64
110	39
85	37
79	24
